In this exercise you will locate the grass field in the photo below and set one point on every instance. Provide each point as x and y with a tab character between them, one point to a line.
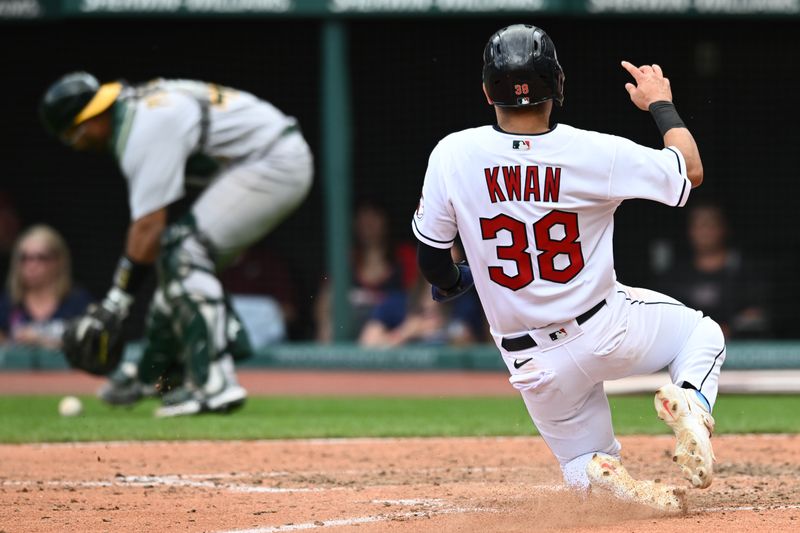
35	418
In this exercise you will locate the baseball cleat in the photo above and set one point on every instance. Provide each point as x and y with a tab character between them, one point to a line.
693	425
226	401
185	402
220	394
607	473
116	393
123	388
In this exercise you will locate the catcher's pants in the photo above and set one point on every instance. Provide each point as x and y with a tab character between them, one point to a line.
190	320
249	200
639	331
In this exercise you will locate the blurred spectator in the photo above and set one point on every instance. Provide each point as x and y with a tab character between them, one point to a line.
718	279
381	268
418	319
9	230
40	296
264	295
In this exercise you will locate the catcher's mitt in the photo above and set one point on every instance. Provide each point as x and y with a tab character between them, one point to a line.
93	342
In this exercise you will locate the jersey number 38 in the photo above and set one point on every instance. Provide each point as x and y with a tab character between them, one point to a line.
548	248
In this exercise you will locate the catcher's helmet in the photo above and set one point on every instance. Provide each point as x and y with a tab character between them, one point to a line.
65	99
74	98
520	67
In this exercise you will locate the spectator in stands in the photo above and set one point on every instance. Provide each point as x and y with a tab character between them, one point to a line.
40	296
9	231
417	319
381	268
718	278
264	294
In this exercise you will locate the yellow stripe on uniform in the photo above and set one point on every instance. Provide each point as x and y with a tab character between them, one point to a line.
102	100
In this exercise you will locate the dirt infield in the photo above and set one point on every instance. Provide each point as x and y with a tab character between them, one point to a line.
375	485
308	382
367	485
296	383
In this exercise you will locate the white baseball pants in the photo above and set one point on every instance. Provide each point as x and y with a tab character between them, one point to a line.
247	201
639	331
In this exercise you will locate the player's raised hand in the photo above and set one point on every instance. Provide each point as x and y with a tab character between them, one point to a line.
651	85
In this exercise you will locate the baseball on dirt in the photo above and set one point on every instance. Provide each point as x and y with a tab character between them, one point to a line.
70	406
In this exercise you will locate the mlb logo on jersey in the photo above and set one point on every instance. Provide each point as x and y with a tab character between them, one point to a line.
558	334
521	145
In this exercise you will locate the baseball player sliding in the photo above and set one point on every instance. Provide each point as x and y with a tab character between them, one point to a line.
534	207
252	168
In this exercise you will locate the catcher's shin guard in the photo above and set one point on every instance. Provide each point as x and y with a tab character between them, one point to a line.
239	346
162	349
202	322
200	313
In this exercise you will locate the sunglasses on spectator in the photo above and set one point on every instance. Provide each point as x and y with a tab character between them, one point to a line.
38	257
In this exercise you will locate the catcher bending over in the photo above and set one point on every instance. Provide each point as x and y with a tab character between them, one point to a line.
253	168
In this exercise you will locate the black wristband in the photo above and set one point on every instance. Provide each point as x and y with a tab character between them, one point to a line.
666	116
130	275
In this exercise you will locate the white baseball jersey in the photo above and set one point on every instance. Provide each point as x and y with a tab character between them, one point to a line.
535	215
160	125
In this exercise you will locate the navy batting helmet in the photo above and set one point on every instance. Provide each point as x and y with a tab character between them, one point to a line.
520	67
74	98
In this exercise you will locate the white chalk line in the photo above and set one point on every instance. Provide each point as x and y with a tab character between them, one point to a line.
437	507
433	507
319	524
167	481
361	520
210	481
216	480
